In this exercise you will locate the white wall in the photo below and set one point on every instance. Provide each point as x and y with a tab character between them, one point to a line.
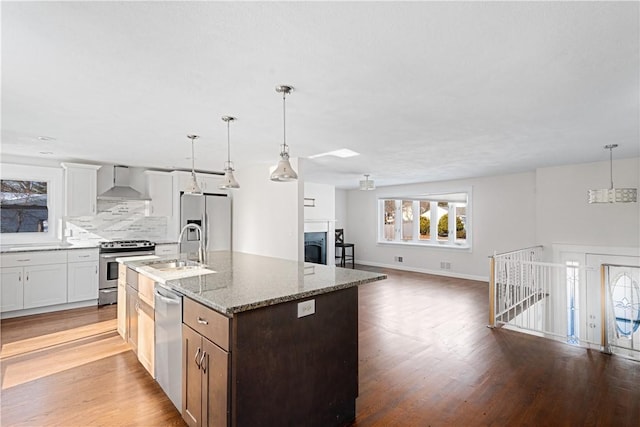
268	217
324	199
564	216
341	208
503	218
547	207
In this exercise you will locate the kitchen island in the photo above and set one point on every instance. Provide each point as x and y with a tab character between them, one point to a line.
267	341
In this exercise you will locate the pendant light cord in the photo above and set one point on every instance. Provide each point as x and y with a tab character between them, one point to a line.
193	160
611	164
228	144
284	119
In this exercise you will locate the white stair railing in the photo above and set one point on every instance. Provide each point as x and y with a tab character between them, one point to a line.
534	296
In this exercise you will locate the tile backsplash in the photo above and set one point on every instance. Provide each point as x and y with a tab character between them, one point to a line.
116	220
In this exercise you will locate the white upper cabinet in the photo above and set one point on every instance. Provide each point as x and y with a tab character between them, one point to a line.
160	189
80	189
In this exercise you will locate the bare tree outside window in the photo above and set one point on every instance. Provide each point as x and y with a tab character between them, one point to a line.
23	206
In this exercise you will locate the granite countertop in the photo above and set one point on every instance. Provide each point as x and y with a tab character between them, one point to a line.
35	247
241	282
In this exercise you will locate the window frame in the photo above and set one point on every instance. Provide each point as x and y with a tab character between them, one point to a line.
54	178
433	242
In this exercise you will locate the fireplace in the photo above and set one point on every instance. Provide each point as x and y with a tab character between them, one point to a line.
315	247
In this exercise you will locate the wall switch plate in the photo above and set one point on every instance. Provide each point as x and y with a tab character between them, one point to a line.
306	308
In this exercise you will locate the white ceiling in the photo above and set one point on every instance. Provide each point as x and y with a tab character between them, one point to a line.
425	91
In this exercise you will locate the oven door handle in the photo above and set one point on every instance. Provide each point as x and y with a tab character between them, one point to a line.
113	255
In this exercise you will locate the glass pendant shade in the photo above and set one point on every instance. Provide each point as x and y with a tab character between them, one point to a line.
229	181
193	188
611	194
284	172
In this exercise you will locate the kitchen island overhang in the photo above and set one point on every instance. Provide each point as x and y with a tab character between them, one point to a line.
293	336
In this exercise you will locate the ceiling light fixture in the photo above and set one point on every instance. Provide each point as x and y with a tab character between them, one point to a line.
284	172
613	195
193	188
367	184
229	179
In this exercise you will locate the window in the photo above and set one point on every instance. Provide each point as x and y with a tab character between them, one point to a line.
430	220
23	206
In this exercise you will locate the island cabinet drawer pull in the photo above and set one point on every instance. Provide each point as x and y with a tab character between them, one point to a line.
196	358
207	322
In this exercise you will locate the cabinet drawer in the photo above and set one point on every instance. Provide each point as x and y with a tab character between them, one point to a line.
166	249
206	322
34	258
132	278
82	255
145	289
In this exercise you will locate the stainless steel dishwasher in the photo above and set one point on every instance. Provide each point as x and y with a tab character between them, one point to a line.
168	357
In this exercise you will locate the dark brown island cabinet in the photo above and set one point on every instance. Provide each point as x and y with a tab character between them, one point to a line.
279	365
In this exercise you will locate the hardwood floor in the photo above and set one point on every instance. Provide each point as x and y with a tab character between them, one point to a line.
73	369
426	358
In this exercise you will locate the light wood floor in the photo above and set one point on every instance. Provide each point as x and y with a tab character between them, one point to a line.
426	359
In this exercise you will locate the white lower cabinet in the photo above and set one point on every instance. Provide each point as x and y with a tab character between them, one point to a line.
31	280
11	295
82	280
167	249
45	285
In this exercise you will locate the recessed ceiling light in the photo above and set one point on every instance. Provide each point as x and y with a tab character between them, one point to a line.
46	138
343	153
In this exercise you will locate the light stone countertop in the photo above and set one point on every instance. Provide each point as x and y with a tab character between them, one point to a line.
36	247
244	282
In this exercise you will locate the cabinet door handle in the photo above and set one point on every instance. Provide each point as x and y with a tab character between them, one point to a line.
19	277
202	321
24	260
203	364
137	308
27	278
196	358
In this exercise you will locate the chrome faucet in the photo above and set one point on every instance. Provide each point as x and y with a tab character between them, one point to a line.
201	244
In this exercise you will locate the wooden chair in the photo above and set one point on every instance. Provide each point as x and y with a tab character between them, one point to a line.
344	255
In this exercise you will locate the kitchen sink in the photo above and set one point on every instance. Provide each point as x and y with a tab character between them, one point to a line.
176	265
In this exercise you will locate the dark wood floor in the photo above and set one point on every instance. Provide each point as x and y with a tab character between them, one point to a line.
426	359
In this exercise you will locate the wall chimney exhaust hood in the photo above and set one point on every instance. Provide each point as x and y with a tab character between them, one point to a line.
121	190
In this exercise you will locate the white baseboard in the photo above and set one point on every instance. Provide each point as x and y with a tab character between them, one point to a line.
426	271
48	309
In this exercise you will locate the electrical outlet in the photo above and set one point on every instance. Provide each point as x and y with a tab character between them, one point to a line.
445	265
306	308
399	259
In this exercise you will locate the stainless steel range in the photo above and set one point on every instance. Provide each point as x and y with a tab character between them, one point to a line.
109	251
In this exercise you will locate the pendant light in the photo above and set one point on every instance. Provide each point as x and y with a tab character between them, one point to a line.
284	172
613	195
193	188
367	184
229	179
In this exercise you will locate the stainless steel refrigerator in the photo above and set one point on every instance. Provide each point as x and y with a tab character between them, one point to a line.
212	212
